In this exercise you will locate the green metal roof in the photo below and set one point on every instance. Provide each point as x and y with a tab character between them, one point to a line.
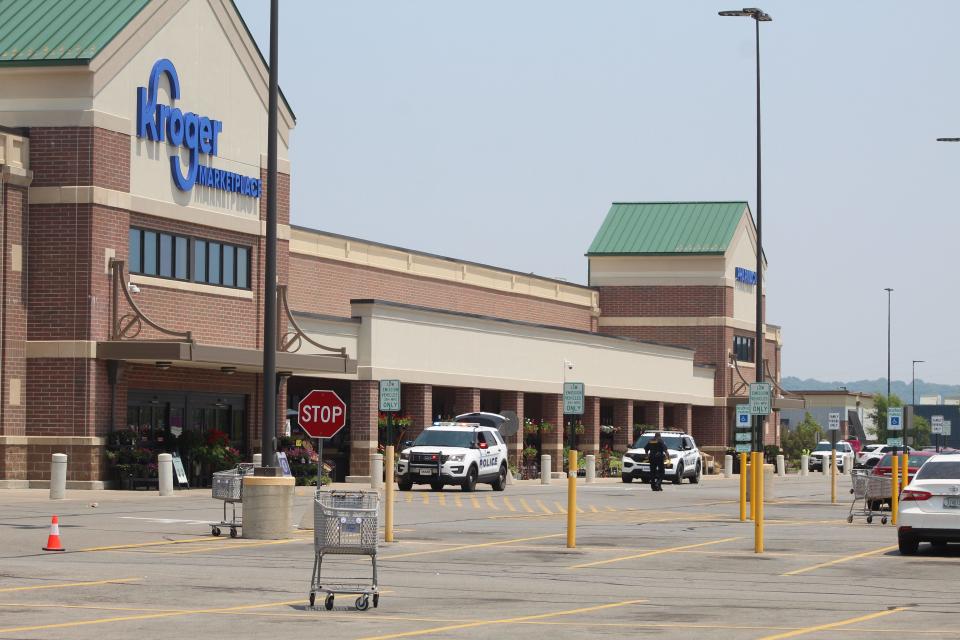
42	32
663	228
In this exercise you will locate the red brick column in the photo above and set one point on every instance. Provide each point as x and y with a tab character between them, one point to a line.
513	401
552	442
623	420
466	400
417	404
364	402
590	440
653	415
683	417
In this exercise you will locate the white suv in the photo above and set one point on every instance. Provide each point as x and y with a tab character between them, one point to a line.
820	457
685	461
454	453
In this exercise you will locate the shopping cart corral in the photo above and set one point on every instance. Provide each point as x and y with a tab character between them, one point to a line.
870	493
345	522
228	486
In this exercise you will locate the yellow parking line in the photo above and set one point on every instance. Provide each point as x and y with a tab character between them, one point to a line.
145	616
230	547
469	625
442	498
475	502
457	500
408	498
491	504
526	506
593	509
609	508
546	510
155	543
839	561
508	504
560	507
64	585
655	552
425	497
833	625
470	546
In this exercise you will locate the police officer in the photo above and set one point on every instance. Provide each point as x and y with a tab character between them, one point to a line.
657	453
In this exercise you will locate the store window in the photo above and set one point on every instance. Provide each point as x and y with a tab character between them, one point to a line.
743	348
168	255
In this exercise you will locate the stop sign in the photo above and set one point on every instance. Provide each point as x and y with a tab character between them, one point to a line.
322	414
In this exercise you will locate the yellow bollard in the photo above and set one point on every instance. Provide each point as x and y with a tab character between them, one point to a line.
753	485
758	518
894	491
388	495
833	476
572	500
904	470
743	487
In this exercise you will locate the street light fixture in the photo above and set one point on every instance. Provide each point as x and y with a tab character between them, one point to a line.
758	16
913	398
948	139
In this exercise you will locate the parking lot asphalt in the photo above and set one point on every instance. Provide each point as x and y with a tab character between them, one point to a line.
676	564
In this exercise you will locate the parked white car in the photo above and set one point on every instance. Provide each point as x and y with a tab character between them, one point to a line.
865	453
684	458
930	505
820	456
871	459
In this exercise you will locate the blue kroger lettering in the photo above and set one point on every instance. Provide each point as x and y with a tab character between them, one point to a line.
745	275
199	134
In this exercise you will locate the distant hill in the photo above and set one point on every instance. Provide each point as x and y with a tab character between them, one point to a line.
879	385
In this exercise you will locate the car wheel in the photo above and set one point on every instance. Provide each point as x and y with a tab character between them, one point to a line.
695	478
501	482
678	476
436	486
405	485
470	482
907	543
626	477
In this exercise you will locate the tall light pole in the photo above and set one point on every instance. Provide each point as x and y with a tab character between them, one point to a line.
268	418
758	16
889	291
913	397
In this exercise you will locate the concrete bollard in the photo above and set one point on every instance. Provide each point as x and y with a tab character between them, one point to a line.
727	466
376	471
781	466
266	507
165	473
545	469
58	476
258	459
590	463
804	465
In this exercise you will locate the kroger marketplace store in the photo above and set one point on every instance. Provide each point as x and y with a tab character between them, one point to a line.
133	168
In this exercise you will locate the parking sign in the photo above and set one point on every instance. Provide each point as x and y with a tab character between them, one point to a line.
895	419
760	398
743	416
834	423
936	425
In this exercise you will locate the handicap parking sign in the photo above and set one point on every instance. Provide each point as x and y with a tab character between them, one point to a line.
895	419
743	416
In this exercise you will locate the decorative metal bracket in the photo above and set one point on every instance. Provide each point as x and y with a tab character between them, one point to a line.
746	385
291	341
129	326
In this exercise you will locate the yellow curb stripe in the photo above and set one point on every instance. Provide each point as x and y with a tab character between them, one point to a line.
655	552
491	504
544	507
526	506
155	543
508	504
475	502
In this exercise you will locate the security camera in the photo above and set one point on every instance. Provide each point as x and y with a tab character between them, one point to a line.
132	288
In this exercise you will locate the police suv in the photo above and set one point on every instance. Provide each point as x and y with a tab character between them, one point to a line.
458	453
684	456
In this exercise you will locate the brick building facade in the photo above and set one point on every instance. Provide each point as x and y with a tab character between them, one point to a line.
133	305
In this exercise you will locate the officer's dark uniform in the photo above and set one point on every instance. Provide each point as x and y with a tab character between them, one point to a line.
657	454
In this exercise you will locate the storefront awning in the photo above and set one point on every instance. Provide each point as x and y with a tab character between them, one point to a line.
181	353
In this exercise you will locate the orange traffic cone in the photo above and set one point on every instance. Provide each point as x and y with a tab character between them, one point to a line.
53	540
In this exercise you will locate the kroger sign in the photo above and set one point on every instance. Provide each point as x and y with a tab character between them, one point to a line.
199	134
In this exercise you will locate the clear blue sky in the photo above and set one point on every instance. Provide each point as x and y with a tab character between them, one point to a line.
500	131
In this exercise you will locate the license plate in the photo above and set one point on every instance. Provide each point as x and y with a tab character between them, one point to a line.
951	502
426	472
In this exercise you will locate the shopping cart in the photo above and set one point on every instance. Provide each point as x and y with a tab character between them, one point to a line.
345	522
870	493
228	486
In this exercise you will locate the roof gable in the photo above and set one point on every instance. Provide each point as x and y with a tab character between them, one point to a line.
44	32
666	228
